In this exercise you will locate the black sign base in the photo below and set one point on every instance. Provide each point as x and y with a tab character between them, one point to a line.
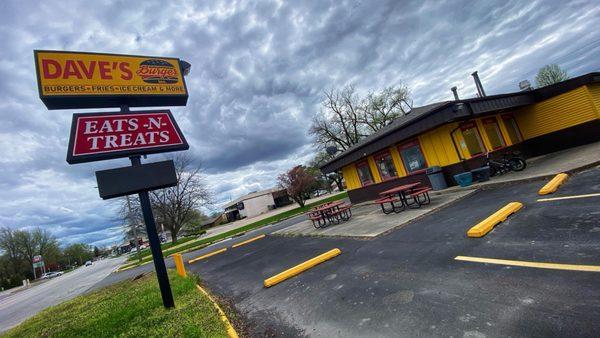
157	256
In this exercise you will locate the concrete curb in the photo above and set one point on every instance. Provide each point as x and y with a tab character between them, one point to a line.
298	269
553	185
485	226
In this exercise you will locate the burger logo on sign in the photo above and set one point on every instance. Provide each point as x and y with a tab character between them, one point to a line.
157	71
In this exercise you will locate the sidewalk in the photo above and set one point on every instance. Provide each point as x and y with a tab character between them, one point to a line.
545	166
368	220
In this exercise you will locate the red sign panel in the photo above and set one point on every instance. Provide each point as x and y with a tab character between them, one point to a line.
102	136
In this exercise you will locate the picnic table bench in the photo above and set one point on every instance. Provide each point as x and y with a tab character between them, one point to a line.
401	194
329	213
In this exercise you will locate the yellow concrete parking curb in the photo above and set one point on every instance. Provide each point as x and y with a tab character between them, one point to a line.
249	241
489	223
553	185
210	254
280	277
230	330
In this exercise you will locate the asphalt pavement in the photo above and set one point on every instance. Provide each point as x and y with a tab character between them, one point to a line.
407	283
20	305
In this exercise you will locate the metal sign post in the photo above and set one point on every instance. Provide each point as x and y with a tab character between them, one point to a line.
159	262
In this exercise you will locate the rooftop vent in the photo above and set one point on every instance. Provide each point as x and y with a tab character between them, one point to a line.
455	92
478	84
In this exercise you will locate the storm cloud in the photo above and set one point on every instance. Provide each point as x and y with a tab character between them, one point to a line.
258	73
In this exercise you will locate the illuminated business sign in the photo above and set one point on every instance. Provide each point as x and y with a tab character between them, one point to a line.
102	136
92	80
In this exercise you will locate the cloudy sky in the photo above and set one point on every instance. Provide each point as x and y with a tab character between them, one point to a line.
258	72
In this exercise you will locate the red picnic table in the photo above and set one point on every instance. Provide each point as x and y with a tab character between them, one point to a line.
412	189
330	212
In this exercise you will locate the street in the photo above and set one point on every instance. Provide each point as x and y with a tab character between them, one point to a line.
21	305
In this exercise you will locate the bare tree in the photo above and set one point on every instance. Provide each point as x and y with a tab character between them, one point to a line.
335	177
550	74
381	109
338	122
176	206
298	182
345	118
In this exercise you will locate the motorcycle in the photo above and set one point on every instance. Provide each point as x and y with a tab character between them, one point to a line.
509	162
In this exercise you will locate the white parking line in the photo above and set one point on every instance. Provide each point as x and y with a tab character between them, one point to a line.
567	197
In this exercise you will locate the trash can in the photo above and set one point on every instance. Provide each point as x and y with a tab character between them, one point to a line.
481	174
436	178
464	179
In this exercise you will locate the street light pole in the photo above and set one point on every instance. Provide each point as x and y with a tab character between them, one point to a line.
134	227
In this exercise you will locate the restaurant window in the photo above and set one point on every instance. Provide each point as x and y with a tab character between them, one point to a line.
472	138
512	128
385	165
412	156
364	173
492	130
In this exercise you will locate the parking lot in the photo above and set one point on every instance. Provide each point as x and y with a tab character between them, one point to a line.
409	283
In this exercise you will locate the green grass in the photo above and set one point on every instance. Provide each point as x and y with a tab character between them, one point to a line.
164	246
198	244
129	309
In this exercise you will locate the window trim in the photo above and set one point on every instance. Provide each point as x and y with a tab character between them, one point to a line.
493	120
509	116
381	155
364	163
406	145
469	125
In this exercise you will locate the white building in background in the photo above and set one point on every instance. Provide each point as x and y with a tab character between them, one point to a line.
256	203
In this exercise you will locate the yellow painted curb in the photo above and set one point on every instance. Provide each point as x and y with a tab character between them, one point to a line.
210	254
230	330
249	240
489	223
555	266
553	185
291	272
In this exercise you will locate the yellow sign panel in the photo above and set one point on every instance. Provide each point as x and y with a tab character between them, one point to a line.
74	74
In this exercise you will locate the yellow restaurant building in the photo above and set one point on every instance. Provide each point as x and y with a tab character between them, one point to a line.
456	135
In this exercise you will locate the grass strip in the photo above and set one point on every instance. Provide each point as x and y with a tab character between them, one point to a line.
129	309
201	243
164	246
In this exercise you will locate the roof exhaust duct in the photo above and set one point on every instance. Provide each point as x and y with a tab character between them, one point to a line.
455	92
478	84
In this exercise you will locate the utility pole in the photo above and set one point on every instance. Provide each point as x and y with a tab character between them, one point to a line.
134	227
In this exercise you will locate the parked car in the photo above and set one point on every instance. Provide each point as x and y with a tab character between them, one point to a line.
53	274
88	263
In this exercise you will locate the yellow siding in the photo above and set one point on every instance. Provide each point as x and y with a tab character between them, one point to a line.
560	112
397	162
504	131
351	176
594	91
484	137
374	171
